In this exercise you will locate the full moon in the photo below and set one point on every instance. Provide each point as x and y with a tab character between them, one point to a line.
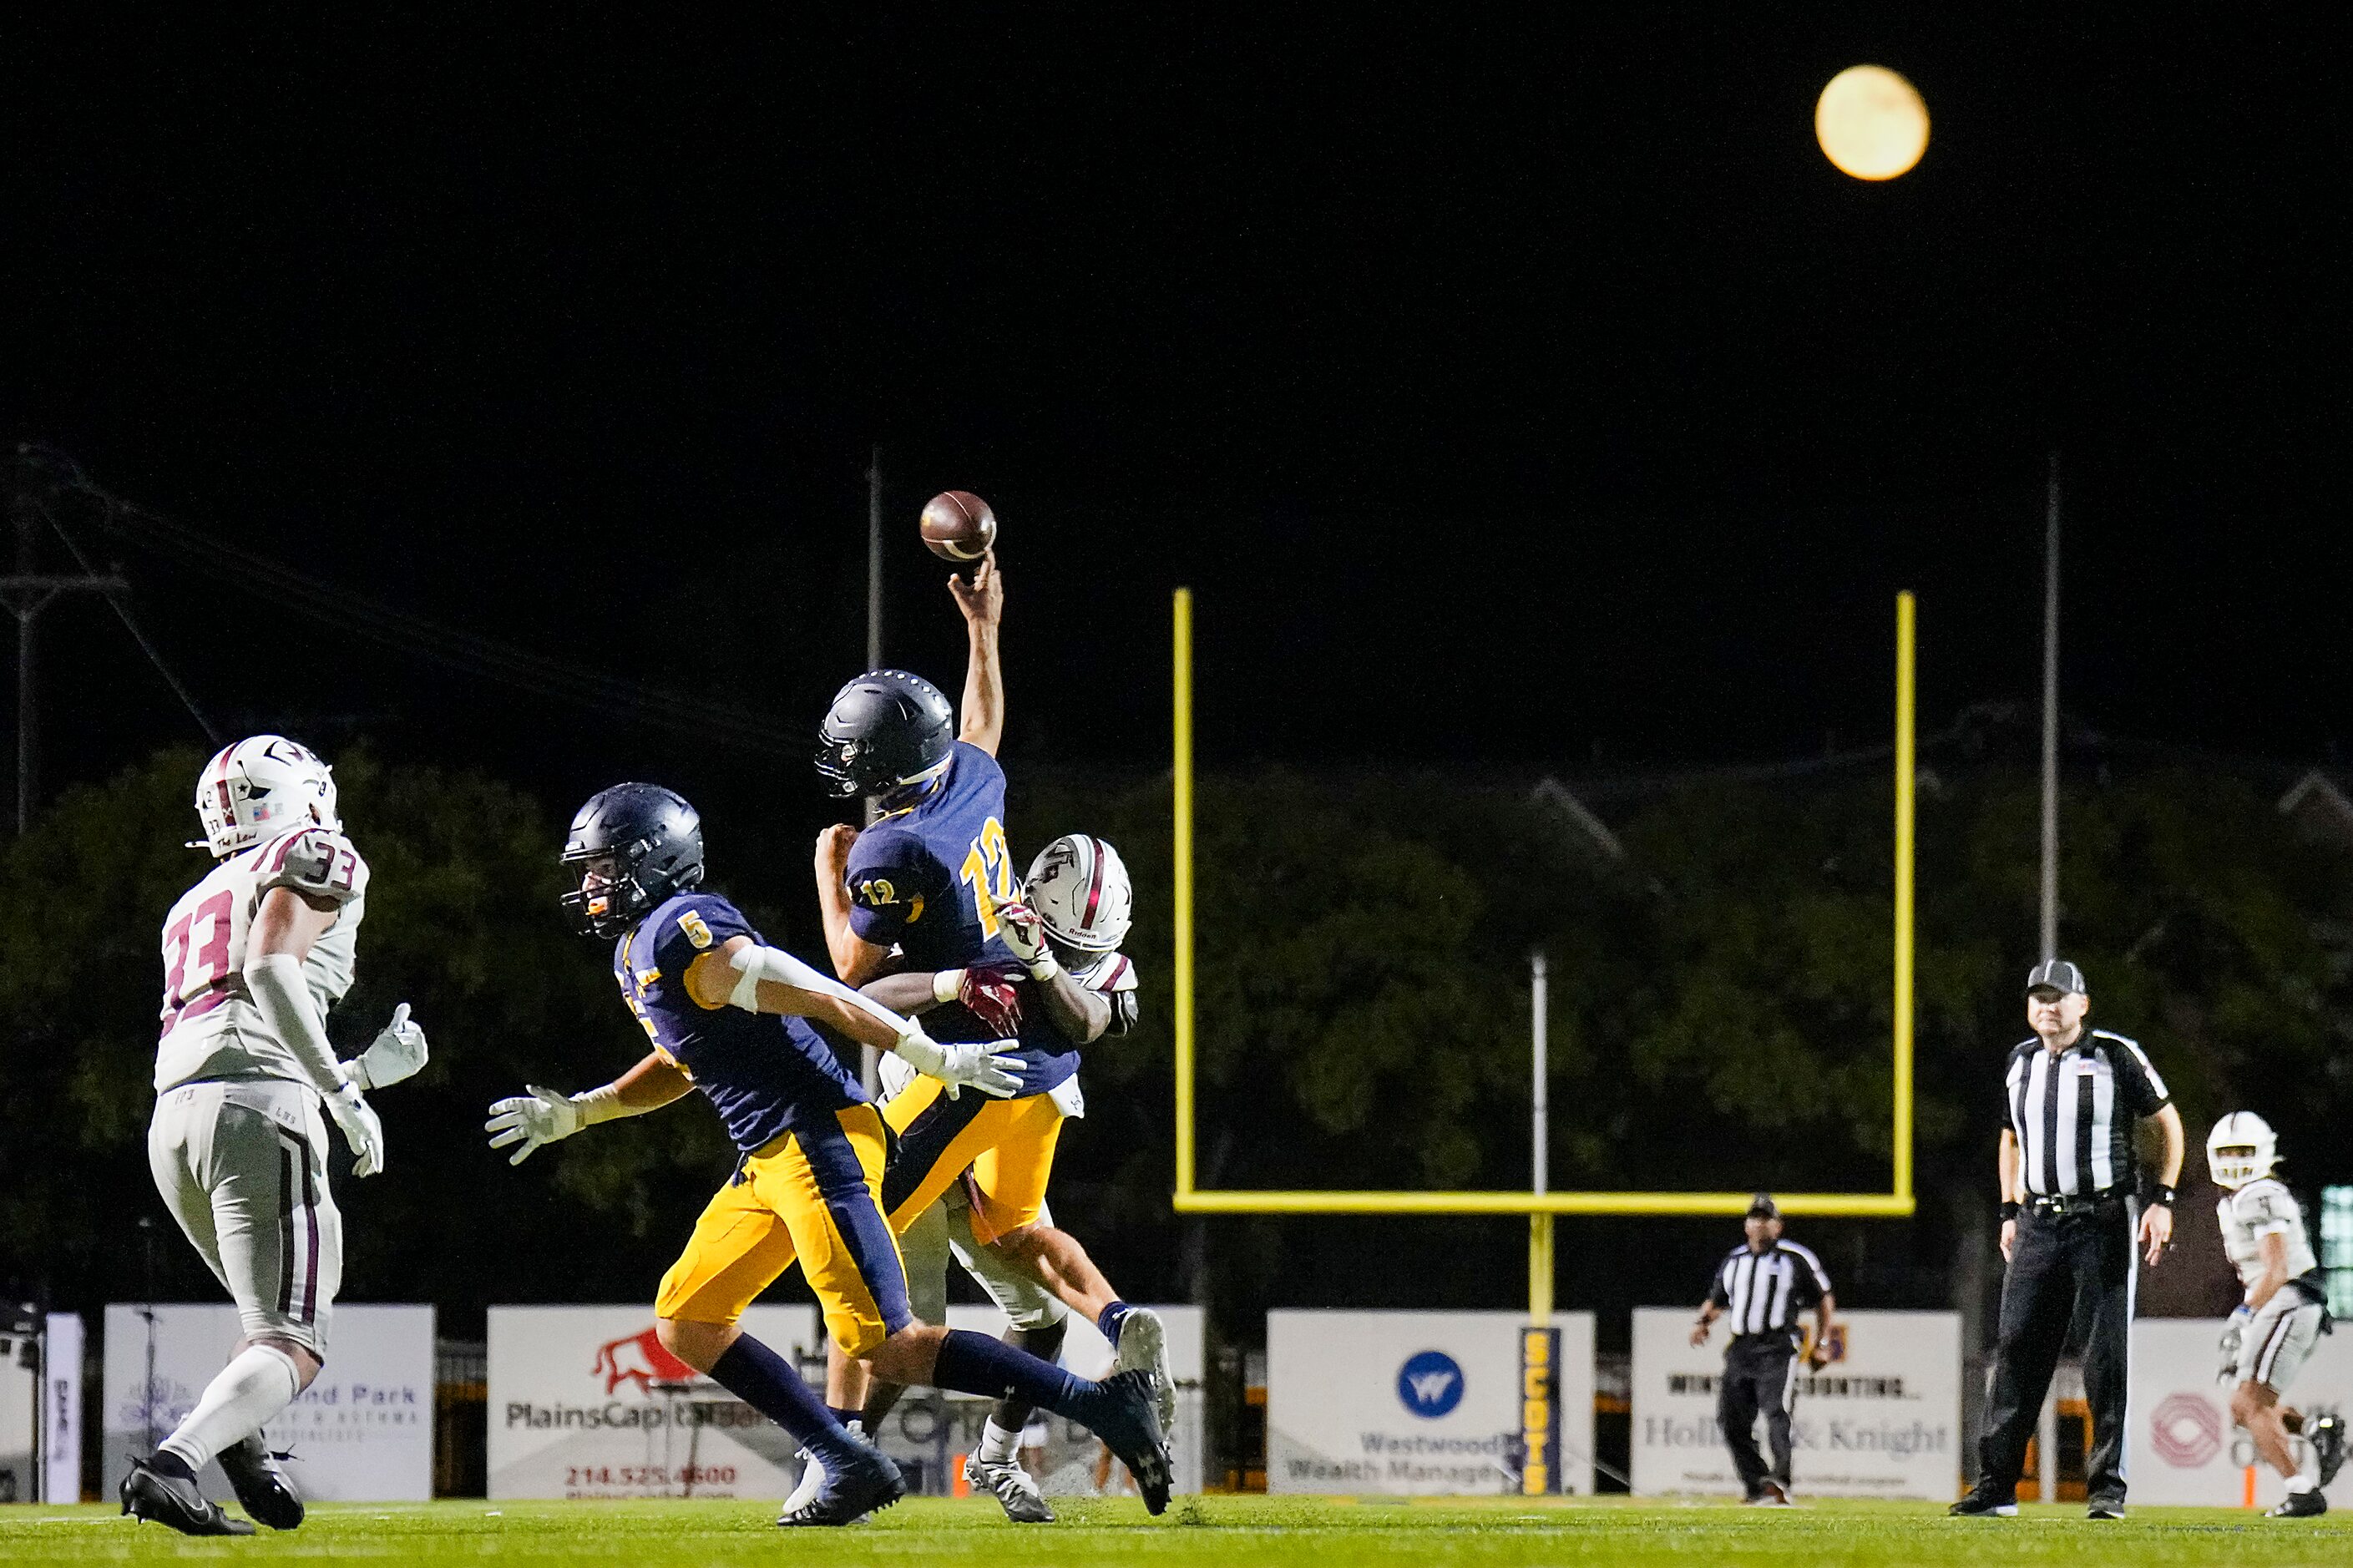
1870	123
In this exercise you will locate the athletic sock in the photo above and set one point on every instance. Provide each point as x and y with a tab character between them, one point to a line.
846	1417
253	1387
767	1382
2300	1483
974	1363
998	1445
1109	1320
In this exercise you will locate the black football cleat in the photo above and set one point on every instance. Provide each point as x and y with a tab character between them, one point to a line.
1986	1503
2327	1436
151	1495
2104	1508
263	1489
2299	1505
865	1484
1129	1423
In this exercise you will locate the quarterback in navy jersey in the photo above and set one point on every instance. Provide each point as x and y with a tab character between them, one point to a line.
727	1015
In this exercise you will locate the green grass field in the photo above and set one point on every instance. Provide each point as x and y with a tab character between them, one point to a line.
1337	1532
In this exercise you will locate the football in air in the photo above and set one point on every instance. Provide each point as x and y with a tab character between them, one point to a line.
959	526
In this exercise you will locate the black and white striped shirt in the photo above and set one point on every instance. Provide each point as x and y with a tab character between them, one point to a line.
2072	1111
1763	1292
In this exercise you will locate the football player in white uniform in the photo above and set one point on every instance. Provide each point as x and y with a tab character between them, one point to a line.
254	955
2273	1329
1071	920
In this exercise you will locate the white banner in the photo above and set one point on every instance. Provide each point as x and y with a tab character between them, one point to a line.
2183	1446
363	1431
585	1403
20	1409
61	1410
1883	1419
1414	1401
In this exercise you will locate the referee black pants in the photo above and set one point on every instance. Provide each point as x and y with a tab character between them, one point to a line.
2084	1256
1760	1373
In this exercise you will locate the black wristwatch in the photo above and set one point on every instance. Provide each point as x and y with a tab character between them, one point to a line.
2009	1211
2164	1194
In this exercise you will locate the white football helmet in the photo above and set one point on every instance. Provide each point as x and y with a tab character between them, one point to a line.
258	788
2242	1130
1080	888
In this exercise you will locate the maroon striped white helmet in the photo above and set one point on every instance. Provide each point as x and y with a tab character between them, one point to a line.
258	788
1080	889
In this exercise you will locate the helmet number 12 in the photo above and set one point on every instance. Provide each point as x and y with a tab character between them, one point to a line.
988	870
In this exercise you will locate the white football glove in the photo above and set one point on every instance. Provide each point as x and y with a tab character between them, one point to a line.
979	1064
1024	937
2235	1336
536	1117
363	1128
397	1052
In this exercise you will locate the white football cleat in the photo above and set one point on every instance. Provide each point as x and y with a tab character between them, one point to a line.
1016	1487
1143	1347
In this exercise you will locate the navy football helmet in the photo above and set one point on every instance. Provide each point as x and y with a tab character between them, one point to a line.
630	847
886	729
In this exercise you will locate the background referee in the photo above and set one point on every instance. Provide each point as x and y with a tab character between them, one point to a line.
2067	1230
1760	1289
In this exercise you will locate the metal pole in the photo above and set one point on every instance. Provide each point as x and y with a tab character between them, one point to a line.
2050	713
1907	774
1181	782
1540	1226
869	1070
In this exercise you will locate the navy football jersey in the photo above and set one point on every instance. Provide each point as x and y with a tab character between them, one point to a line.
764	1074
916	879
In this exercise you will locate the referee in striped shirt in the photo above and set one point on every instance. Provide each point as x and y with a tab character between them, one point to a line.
1760	1289
2068	1230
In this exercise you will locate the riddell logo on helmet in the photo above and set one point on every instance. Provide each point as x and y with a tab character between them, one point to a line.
639	1358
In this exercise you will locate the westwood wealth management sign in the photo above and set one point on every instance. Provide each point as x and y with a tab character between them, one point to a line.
1415	1402
585	1403
1883	1419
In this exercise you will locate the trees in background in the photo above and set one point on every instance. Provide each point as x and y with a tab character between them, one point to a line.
1720	1016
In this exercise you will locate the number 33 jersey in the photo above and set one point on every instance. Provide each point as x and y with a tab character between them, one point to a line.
211	1028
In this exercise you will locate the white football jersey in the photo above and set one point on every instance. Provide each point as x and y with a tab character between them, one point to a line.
2261	1208
211	1028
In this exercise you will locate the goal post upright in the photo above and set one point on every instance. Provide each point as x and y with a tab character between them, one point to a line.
1188	1198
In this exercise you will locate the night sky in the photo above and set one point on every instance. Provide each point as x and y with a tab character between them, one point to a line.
1531	395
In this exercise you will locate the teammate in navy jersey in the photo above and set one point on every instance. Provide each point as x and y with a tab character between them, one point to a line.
726	1014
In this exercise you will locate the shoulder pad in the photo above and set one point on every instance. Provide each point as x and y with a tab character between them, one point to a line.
692	923
1113	972
316	862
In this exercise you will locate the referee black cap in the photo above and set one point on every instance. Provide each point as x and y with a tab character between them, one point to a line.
2059	975
1763	1203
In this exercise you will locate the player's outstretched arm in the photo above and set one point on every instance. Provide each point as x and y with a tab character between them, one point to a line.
742	973
1080	1015
981	719
541	1116
284	927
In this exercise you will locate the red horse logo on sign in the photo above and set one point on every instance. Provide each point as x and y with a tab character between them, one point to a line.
639	1359
2186	1430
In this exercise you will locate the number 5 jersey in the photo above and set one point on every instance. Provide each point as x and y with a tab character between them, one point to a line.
211	1028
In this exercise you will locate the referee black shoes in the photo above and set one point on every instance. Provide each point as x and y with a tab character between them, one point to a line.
2299	1505
2104	1508
1986	1503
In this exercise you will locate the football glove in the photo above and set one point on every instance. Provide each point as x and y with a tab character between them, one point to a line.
2235	1336
1025	935
536	1117
397	1052
363	1128
977	1064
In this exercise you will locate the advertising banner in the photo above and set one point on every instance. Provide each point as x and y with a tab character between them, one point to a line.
1883	1419
1419	1401
585	1403
2183	1447
61	1409
361	1433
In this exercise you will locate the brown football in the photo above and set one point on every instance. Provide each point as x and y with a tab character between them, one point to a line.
959	526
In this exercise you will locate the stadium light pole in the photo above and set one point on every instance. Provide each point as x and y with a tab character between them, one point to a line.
2051	713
